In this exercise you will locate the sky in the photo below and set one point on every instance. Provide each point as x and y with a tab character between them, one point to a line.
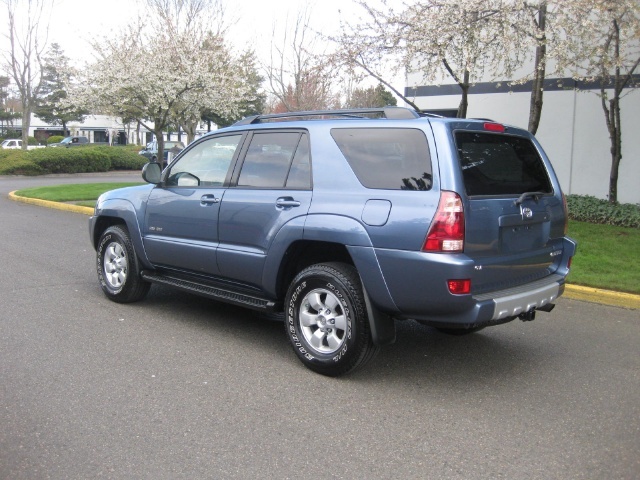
75	23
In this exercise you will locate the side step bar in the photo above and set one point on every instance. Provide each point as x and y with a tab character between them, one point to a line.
211	291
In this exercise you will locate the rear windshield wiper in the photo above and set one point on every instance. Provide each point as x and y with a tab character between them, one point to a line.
535	195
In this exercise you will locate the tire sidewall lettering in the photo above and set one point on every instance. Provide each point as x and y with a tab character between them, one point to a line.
104	242
293	327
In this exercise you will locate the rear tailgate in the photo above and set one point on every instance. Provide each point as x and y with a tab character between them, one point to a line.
514	217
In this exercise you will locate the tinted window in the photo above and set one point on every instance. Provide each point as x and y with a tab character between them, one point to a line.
268	159
205	164
387	158
500	165
300	173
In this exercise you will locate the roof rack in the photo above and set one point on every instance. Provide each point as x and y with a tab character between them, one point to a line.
394	113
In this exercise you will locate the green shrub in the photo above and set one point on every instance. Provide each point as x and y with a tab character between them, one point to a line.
17	162
585	208
54	139
123	158
70	160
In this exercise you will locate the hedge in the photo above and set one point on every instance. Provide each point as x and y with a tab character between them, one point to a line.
70	160
585	208
54	139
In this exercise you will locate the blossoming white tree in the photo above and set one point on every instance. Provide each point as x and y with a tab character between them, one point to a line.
605	49
168	73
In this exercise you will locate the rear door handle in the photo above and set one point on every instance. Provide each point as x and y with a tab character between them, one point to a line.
208	200
287	202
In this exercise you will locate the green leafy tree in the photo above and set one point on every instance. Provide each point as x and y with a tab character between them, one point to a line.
53	106
371	97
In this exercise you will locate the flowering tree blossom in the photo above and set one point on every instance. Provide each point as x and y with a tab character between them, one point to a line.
462	40
169	73
366	48
605	48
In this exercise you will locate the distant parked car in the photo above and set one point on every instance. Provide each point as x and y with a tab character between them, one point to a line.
14	144
71	142
151	150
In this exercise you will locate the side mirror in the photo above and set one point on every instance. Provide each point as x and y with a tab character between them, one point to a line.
151	173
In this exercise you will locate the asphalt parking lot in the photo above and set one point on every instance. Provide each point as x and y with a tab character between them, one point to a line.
183	387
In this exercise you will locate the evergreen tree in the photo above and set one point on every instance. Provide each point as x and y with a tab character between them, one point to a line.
371	97
53	106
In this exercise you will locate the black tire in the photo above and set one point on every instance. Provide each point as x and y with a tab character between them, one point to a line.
326	319
119	268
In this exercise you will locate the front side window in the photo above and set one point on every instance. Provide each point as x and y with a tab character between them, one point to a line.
495	164
387	158
206	164
276	160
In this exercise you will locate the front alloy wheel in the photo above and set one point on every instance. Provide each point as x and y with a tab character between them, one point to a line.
115	265
118	266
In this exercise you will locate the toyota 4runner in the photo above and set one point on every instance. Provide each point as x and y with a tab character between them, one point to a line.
346	221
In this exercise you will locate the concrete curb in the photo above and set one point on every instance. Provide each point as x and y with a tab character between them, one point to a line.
604	297
575	292
46	203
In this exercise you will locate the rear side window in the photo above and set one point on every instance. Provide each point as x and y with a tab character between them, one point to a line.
387	158
277	160
500	165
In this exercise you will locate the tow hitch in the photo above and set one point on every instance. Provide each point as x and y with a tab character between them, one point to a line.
530	315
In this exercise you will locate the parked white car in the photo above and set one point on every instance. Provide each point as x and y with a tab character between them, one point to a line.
15	144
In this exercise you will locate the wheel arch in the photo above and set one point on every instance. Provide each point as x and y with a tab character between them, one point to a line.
118	212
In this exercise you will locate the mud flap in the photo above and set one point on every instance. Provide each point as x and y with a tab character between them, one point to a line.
383	327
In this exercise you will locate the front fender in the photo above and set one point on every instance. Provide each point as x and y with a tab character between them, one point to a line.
125	211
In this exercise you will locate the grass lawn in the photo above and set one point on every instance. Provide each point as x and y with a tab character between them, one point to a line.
88	192
608	257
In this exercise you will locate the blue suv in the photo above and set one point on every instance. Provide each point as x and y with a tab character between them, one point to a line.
347	221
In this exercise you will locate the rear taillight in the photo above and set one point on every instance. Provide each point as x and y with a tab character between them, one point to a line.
459	287
446	233
494	127
566	213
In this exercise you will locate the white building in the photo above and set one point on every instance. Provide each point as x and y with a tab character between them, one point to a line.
572	129
99	129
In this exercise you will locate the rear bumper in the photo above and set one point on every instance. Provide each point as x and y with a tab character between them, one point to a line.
501	306
417	283
514	301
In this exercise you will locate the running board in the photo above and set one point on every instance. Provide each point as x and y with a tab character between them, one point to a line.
211	291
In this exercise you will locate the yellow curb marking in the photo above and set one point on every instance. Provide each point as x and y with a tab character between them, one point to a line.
606	297
46	203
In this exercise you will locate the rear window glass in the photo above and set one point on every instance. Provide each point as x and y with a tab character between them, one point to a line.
387	158
500	165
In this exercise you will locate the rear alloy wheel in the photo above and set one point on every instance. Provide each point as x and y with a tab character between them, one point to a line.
326	319
118	267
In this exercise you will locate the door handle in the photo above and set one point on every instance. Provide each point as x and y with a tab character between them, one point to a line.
208	200
287	202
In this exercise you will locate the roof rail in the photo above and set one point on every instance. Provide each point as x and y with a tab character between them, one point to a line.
395	113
